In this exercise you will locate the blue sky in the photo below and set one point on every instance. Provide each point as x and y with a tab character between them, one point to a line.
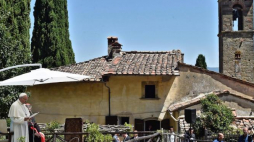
144	25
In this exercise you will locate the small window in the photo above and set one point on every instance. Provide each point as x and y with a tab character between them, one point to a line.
149	91
123	120
111	120
238	55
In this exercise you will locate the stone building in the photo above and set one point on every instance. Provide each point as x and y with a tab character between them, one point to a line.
236	50
137	87
241	105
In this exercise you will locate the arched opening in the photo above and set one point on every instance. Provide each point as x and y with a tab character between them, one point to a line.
237	17
152	125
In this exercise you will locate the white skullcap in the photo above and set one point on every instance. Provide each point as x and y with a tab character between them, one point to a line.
22	95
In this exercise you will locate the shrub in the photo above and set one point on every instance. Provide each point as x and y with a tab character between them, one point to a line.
51	126
215	116
95	135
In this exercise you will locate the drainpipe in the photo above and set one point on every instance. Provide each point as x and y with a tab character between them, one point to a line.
171	115
108	96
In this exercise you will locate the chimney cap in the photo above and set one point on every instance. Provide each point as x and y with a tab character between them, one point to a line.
112	37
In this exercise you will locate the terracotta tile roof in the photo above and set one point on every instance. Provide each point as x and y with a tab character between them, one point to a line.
196	100
128	63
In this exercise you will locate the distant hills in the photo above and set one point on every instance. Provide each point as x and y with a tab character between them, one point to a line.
215	69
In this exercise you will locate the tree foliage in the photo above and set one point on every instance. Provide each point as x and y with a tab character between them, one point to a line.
215	116
200	62
95	135
51	45
14	47
51	126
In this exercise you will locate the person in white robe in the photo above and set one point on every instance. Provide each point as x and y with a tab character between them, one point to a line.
19	115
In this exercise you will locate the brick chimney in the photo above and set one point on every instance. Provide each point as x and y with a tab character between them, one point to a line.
114	47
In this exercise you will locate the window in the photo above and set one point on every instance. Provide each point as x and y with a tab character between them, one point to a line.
149	90
123	120
111	120
238	54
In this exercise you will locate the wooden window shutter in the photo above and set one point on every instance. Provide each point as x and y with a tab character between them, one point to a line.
139	124
111	120
165	124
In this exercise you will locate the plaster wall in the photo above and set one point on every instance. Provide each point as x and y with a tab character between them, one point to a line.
89	100
192	83
68	100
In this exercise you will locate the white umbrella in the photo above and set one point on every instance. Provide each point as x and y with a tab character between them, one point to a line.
42	76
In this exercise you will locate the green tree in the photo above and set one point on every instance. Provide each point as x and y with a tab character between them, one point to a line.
200	62
51	45
215	116
14	47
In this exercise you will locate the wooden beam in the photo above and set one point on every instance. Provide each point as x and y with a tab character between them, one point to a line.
143	138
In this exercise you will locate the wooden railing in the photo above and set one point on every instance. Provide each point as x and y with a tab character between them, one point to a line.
55	136
9	135
150	137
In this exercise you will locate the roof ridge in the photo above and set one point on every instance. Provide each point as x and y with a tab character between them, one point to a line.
128	63
169	51
221	74
193	101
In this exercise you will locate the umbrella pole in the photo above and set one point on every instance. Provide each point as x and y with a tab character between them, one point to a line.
18	66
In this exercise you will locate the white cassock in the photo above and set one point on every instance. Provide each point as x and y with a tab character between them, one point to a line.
17	113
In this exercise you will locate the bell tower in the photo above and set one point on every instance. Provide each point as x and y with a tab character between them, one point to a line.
236	34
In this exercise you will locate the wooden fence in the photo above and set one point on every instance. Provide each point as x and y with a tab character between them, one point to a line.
151	136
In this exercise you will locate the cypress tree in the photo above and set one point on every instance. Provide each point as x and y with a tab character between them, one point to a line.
14	47
51	45
200	62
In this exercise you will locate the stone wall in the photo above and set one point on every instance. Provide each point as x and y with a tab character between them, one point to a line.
242	68
208	81
232	42
194	81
